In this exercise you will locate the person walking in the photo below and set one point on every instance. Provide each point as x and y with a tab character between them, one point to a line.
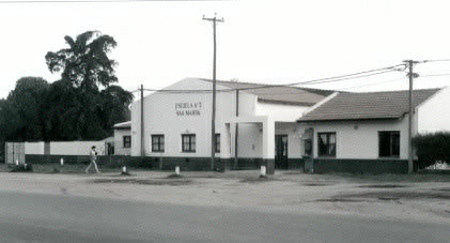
93	158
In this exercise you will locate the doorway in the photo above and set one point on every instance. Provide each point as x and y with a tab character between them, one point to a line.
281	152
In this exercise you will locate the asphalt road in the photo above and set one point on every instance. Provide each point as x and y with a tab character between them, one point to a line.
63	218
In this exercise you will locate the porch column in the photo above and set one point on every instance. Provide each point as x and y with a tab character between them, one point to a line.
269	145
225	146
232	142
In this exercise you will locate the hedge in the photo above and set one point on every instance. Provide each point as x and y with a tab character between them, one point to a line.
432	147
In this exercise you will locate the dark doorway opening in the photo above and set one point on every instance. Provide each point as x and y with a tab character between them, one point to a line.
281	152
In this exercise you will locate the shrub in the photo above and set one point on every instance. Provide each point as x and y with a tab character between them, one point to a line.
22	168
432	147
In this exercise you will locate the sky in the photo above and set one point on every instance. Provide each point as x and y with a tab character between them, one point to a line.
273	42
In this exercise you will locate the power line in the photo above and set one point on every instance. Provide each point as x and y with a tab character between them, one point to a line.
87	1
436	60
308	82
291	85
346	75
435	75
354	74
319	81
265	87
372	84
278	93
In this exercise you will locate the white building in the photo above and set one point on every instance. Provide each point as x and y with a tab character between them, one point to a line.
177	125
122	138
281	126
360	132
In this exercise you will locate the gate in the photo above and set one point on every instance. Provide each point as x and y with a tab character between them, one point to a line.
14	152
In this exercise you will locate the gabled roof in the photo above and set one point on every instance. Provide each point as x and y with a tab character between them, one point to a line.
367	106
278	94
123	125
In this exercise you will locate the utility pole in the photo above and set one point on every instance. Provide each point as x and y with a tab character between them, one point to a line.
142	122
411	75
236	135
213	118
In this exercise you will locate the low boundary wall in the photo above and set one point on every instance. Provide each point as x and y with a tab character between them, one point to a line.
204	163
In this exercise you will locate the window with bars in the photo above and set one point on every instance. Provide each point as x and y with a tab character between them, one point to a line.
217	138
389	143
127	141
327	144
157	143
188	143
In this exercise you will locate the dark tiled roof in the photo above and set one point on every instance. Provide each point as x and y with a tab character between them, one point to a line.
279	94
367	106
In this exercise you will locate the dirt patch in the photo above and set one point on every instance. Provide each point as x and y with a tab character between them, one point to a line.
339	199
316	184
174	176
155	182
256	180
399	195
295	172
389	198
382	186
442	189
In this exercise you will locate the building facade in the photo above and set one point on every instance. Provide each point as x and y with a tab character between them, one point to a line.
122	138
368	132
281	127
255	125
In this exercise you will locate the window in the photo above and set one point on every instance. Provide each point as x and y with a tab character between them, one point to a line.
327	144
127	141
188	143
389	143
217	138
157	143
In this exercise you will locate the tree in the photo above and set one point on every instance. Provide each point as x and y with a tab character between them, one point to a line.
84	104
25	104
85	63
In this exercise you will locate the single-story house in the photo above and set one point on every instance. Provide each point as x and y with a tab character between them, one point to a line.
122	138
368	132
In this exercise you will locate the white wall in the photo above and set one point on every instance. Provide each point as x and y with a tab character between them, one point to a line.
295	143
434	114
249	141
118	141
362	143
160	117
280	113
34	148
76	147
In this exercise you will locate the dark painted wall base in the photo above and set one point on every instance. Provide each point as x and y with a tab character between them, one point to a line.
115	161
296	164
165	163
360	166
204	163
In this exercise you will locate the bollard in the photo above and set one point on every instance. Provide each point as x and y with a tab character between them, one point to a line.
17	162
263	170
124	169
177	170
62	162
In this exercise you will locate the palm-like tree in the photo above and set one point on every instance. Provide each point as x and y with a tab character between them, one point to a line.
85	64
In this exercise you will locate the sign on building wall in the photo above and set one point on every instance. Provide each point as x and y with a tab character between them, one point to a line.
188	108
